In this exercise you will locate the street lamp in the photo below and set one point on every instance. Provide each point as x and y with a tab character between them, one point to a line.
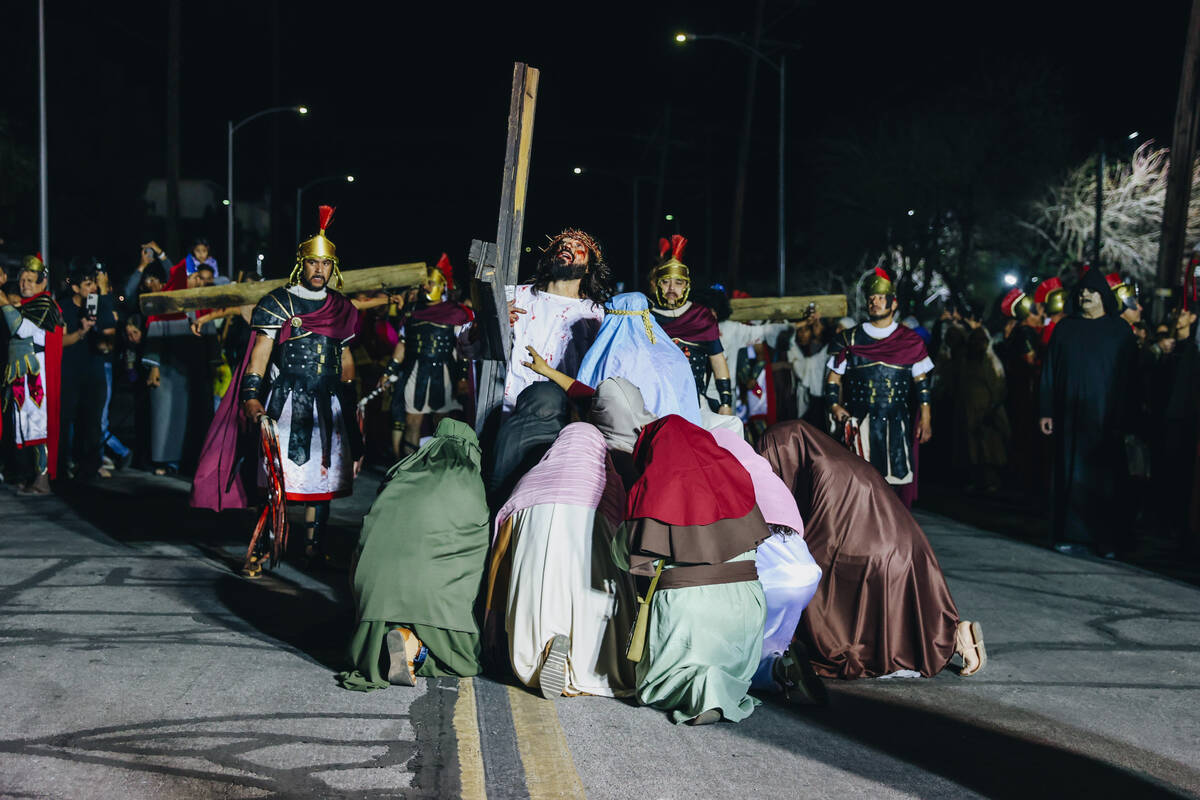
231	127
781	68
300	194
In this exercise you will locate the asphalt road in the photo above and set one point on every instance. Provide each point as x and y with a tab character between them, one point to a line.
135	663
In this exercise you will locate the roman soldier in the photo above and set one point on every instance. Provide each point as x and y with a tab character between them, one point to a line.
1023	365
300	374
873	371
1127	297
1052	297
424	366
31	379
1023	341
691	326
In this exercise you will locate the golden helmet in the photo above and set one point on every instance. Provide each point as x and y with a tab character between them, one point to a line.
34	264
440	279
878	282
1016	304
318	247
1126	293
670	253
1051	294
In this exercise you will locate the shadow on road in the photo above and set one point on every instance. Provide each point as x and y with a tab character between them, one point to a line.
989	760
315	620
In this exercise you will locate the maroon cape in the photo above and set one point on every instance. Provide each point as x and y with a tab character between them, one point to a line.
218	484
903	346
882	604
444	313
697	324
686	477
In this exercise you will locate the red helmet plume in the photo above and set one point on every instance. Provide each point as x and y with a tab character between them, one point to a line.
324	217
447	270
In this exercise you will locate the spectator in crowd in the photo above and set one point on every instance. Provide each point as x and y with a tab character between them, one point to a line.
980	420
91	318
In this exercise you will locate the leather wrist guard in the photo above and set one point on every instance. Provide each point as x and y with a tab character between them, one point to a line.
923	392
251	388
393	368
725	391
833	393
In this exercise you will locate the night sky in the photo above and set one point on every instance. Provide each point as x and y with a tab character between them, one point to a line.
413	100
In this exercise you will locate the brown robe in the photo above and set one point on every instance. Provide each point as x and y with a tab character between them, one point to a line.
883	604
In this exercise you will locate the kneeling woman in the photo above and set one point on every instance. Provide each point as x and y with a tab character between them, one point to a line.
419	558
566	608
882	605
692	527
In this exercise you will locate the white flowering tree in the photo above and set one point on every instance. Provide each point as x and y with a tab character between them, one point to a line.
1134	192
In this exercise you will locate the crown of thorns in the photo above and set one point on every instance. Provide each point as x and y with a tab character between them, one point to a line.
575	233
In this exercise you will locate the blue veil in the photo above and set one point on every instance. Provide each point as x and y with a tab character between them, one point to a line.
633	346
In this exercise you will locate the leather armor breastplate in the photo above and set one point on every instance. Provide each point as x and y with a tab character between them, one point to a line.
699	360
432	346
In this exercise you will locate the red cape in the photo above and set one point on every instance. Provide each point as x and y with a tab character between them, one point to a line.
686	477
444	313
217	484
902	346
52	384
697	324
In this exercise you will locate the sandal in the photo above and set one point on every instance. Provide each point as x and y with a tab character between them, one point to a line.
252	568
801	684
968	643
552	679
406	654
706	717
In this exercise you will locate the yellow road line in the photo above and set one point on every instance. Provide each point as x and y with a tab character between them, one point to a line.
466	729
549	767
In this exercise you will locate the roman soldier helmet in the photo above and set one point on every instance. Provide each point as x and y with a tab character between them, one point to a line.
36	265
1125	291
1016	304
318	247
878	282
670	254
440	278
1052	296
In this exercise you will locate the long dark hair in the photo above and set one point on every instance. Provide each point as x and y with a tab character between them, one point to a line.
595	286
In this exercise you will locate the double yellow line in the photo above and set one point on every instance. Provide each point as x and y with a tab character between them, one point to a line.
546	758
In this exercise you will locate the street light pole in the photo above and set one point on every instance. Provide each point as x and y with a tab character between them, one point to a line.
300	194
43	178
230	129
781	68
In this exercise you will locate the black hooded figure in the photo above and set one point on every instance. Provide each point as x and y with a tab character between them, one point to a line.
1084	393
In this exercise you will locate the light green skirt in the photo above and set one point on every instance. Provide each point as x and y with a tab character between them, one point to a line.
702	648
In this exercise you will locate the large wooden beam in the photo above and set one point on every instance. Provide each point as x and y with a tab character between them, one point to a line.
774	309
507	250
371	279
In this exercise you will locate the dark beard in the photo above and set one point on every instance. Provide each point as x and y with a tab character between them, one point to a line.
566	272
307	284
877	317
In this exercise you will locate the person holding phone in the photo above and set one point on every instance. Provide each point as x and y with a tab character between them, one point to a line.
91	324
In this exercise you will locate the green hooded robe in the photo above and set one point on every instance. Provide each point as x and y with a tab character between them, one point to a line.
421	558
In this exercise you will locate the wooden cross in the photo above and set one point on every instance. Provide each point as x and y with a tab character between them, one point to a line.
496	264
371	279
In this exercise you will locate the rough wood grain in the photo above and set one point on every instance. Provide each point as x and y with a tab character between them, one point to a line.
746	309
395	276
